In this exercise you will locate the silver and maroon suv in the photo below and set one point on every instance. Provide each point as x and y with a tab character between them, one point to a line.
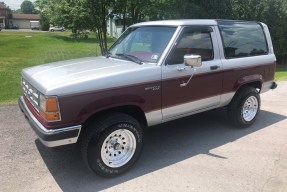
155	72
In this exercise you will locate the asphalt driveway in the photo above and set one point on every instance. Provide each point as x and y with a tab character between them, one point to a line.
198	153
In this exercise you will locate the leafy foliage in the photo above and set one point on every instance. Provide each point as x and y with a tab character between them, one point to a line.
93	14
27	7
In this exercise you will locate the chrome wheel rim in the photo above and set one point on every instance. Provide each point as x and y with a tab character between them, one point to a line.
118	148
250	108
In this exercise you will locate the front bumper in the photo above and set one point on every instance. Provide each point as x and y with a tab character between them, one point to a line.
50	137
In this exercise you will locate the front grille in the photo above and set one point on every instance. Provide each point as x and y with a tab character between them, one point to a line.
31	94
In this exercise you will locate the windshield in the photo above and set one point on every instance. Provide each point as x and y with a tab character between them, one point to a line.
142	44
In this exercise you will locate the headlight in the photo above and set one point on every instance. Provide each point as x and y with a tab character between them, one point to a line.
49	108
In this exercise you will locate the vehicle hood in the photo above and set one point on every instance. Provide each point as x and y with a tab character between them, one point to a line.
86	74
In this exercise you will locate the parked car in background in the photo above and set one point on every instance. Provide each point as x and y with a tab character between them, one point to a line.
35	25
14	27
56	28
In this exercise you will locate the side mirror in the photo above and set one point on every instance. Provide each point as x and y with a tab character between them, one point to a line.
192	60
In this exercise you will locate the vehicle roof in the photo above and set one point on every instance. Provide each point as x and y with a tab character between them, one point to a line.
177	22
184	22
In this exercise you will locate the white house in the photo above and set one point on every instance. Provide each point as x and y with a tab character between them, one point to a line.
23	20
115	24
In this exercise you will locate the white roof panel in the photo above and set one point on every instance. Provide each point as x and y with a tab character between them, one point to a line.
177	22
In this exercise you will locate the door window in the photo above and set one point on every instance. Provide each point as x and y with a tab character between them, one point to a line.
192	41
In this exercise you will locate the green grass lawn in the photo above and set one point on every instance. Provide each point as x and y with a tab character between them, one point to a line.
19	50
281	73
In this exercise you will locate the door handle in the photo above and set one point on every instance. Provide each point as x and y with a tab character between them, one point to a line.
180	68
186	83
214	67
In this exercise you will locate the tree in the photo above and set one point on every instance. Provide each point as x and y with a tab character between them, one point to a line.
78	15
94	14
27	7
275	17
99	13
71	14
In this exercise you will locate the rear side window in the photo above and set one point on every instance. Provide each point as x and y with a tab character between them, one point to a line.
242	39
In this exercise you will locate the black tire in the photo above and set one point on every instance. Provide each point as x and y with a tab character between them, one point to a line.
235	108
96	137
52	30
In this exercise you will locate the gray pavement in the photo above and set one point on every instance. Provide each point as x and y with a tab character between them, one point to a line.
199	153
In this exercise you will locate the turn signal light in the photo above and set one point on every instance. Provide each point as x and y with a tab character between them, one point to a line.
52	104
50	116
49	108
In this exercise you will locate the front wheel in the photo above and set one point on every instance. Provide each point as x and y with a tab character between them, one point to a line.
112	145
244	107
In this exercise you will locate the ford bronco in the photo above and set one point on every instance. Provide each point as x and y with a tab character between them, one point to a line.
155	72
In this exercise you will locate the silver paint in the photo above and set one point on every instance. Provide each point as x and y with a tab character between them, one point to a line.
266	86
58	143
154	117
186	109
226	98
194	107
89	74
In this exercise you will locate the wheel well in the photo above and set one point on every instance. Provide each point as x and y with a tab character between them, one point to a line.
131	110
256	84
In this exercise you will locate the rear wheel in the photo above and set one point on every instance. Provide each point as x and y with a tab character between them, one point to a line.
244	107
112	145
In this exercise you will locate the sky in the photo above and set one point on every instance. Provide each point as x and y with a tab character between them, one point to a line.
14	4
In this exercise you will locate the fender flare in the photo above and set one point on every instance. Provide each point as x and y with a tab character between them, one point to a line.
247	79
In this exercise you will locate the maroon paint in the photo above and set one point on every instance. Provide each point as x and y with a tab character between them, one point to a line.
201	86
77	108
234	78
212	84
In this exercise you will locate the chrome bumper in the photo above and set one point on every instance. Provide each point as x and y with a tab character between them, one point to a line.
50	137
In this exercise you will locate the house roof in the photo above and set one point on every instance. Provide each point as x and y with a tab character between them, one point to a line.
26	16
2	5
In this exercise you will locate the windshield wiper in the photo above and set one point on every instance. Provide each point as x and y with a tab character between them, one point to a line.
131	57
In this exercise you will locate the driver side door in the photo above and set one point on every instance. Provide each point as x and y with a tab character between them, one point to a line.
204	88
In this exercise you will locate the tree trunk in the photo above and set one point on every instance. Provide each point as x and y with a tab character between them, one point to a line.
124	17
